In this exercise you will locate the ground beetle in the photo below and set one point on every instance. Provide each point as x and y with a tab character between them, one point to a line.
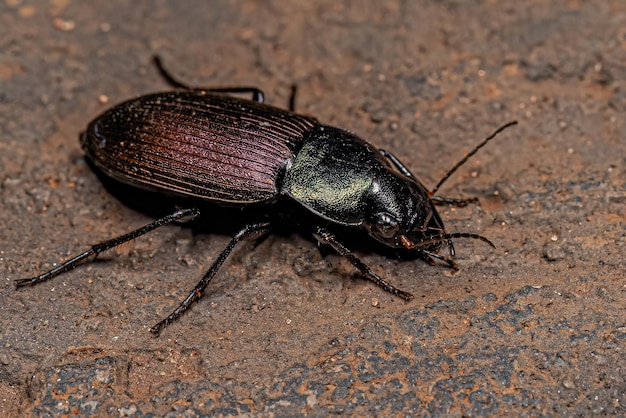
210	145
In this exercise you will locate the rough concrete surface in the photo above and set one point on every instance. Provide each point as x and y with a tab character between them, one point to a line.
536	327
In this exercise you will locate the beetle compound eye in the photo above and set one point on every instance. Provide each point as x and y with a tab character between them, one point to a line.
386	225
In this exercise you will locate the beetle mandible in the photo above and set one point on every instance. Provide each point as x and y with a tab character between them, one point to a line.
211	146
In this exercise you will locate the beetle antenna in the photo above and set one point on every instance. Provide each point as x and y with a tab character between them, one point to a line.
443	237
469	155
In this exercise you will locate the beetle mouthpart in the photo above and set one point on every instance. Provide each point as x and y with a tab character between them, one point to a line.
408	244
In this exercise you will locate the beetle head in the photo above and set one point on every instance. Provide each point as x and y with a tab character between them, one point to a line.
401	214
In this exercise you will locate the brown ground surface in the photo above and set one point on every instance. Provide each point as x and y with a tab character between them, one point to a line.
535	327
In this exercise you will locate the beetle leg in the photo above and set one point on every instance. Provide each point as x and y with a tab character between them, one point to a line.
397	163
257	94
181	215
196	293
326	237
427	257
292	98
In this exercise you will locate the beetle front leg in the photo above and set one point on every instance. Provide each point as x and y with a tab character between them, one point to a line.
325	237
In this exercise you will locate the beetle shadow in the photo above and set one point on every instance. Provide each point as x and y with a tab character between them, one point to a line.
287	218
220	219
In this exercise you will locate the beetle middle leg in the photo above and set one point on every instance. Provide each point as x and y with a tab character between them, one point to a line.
196	293
325	237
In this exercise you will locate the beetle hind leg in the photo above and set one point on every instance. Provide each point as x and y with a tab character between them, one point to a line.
325	237
197	291
181	215
257	94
